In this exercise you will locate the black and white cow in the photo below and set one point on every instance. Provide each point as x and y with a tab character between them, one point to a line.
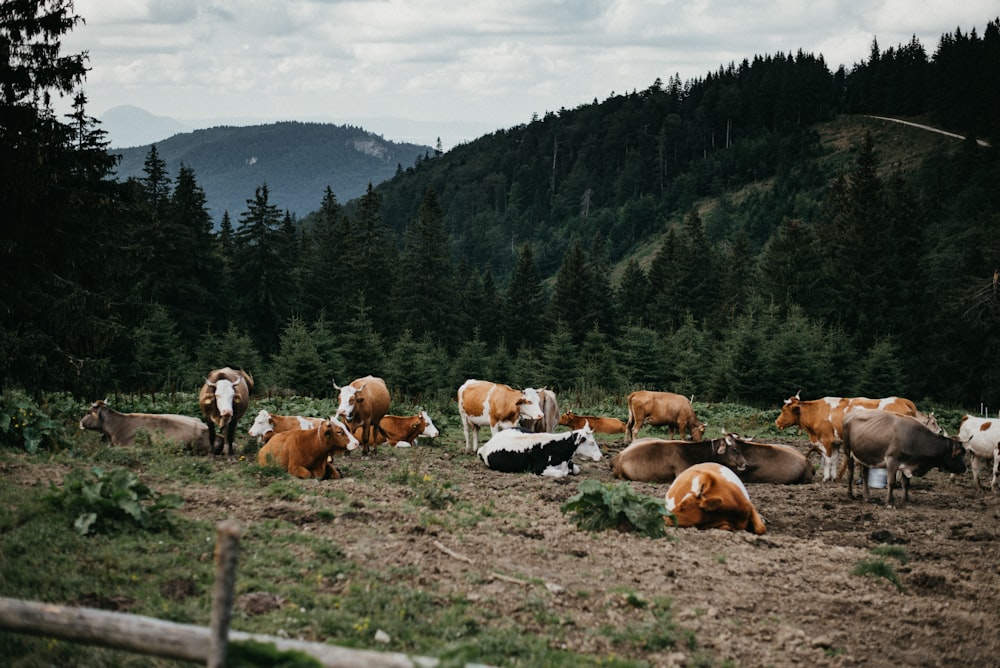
514	451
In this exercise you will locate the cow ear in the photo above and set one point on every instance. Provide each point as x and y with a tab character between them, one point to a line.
711	503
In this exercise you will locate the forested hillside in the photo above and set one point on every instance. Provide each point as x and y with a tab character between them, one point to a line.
297	161
740	237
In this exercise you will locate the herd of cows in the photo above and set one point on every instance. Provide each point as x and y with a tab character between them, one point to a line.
707	477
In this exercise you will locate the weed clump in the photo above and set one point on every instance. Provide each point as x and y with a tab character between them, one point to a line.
599	507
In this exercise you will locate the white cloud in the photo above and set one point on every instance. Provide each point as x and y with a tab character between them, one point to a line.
494	61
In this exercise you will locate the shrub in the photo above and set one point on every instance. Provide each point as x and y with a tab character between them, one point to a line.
597	507
108	501
24	425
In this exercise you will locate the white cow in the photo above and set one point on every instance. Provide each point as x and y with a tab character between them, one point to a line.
981	438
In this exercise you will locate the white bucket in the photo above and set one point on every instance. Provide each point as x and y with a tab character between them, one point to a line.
877	478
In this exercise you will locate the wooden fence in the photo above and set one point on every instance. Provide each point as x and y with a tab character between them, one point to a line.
208	645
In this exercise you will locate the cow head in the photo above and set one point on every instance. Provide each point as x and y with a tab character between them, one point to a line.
261	424
586	444
334	432
530	405
789	412
94	418
697	431
224	395
430	431
566	419
350	399
729	452
956	462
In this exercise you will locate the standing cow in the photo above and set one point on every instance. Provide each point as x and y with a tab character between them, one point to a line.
363	403
550	414
877	439
662	409
224	399
485	404
981	437
711	496
823	421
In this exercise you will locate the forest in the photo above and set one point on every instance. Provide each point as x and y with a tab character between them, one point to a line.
690	236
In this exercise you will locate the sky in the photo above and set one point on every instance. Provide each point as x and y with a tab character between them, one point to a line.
469	66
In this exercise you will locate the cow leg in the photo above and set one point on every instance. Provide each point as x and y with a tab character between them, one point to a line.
975	470
890	483
231	438
850	478
996	469
865	489
830	464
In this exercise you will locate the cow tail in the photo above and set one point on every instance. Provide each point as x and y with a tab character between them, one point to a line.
630	424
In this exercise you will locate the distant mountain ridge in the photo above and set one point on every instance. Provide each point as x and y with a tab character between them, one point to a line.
296	160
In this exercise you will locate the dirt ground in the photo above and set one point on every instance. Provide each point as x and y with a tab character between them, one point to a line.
782	599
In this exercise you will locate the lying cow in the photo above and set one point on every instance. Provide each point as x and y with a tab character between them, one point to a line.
224	399
661	460
600	425
662	409
877	439
403	431
308	453
485	404
711	496
514	451
266	424
121	428
981	438
774	463
363	404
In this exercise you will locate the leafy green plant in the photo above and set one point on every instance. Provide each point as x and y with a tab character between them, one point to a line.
598	507
116	499
23	424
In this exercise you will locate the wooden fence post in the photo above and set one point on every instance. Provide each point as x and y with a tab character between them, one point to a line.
227	535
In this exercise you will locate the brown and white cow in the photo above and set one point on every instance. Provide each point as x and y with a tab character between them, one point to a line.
878	439
711	496
981	438
224	399
600	425
266	424
403	430
661	460
662	409
363	404
308	453
774	463
121	428
485	404
550	414
823	421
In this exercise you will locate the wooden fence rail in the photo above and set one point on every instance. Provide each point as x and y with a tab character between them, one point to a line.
206	645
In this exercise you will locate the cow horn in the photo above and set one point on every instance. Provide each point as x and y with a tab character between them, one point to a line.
238	380
334	381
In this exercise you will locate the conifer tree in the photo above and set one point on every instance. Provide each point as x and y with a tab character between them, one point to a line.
524	303
633	294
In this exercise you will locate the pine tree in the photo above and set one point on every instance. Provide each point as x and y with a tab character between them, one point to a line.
633	294
524	303
424	296
573	301
258	274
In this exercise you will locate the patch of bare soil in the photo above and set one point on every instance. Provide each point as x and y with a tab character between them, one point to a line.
785	598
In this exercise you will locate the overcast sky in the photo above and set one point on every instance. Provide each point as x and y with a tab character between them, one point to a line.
490	62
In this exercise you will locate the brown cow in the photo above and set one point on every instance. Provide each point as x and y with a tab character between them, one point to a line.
403	430
662	409
774	463
307	453
550	414
266	424
485	404
363	403
879	439
823	420
660	460
121	428
711	496
224	399
600	425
